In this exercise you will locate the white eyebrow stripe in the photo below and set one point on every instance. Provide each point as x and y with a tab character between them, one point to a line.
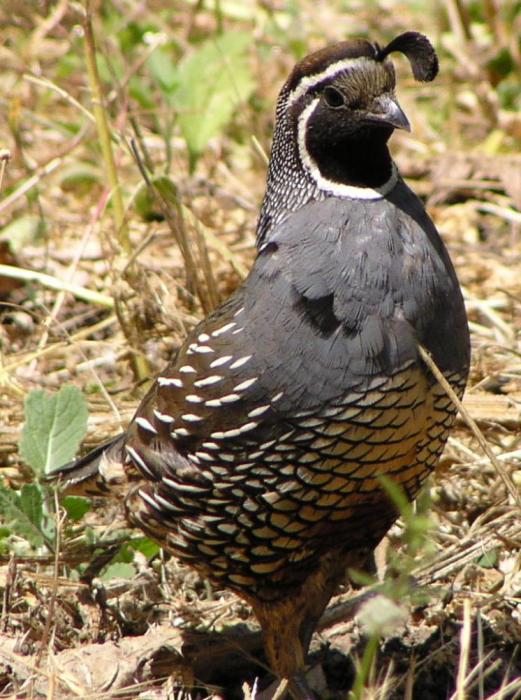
310	80
337	188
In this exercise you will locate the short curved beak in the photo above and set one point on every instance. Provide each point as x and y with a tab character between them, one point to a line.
386	111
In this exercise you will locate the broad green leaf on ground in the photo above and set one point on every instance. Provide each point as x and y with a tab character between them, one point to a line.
119	569
163	69
22	512
146	546
54	426
22	232
207	86
76	506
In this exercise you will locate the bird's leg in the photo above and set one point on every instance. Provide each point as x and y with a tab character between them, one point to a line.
299	689
288	624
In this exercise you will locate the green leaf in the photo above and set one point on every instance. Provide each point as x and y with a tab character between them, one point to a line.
76	506
146	546
54	427
31	502
22	512
163	69
213	81
488	560
118	570
140	92
79	177
22	231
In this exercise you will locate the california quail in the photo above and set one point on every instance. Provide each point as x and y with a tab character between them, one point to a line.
256	456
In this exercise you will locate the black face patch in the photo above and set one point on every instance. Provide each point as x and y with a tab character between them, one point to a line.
342	139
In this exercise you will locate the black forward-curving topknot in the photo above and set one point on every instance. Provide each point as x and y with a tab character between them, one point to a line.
419	51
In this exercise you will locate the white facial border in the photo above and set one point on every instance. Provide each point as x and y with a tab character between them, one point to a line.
311	80
336	188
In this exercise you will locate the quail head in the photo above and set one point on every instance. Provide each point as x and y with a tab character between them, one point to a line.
258	454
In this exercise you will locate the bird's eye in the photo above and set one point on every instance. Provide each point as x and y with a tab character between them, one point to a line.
333	97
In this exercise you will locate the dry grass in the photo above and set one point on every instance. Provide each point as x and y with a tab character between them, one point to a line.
80	305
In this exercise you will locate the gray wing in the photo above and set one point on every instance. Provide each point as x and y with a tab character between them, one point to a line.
271	430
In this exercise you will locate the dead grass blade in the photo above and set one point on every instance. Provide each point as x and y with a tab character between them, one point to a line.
505	477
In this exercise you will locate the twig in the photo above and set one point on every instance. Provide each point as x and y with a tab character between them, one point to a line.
281	690
29	184
139	362
506	213
169	203
104	131
51	619
44	82
46	280
5	157
81	335
464	651
509	484
458	20
481	655
260	150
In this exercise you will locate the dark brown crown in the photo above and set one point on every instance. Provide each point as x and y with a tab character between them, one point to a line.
415	46
318	61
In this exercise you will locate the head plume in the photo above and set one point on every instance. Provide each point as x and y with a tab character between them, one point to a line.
419	51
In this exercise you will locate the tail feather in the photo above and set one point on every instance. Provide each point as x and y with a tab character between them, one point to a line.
98	473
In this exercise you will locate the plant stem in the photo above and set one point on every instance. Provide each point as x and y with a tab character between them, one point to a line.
139	362
104	132
88	295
